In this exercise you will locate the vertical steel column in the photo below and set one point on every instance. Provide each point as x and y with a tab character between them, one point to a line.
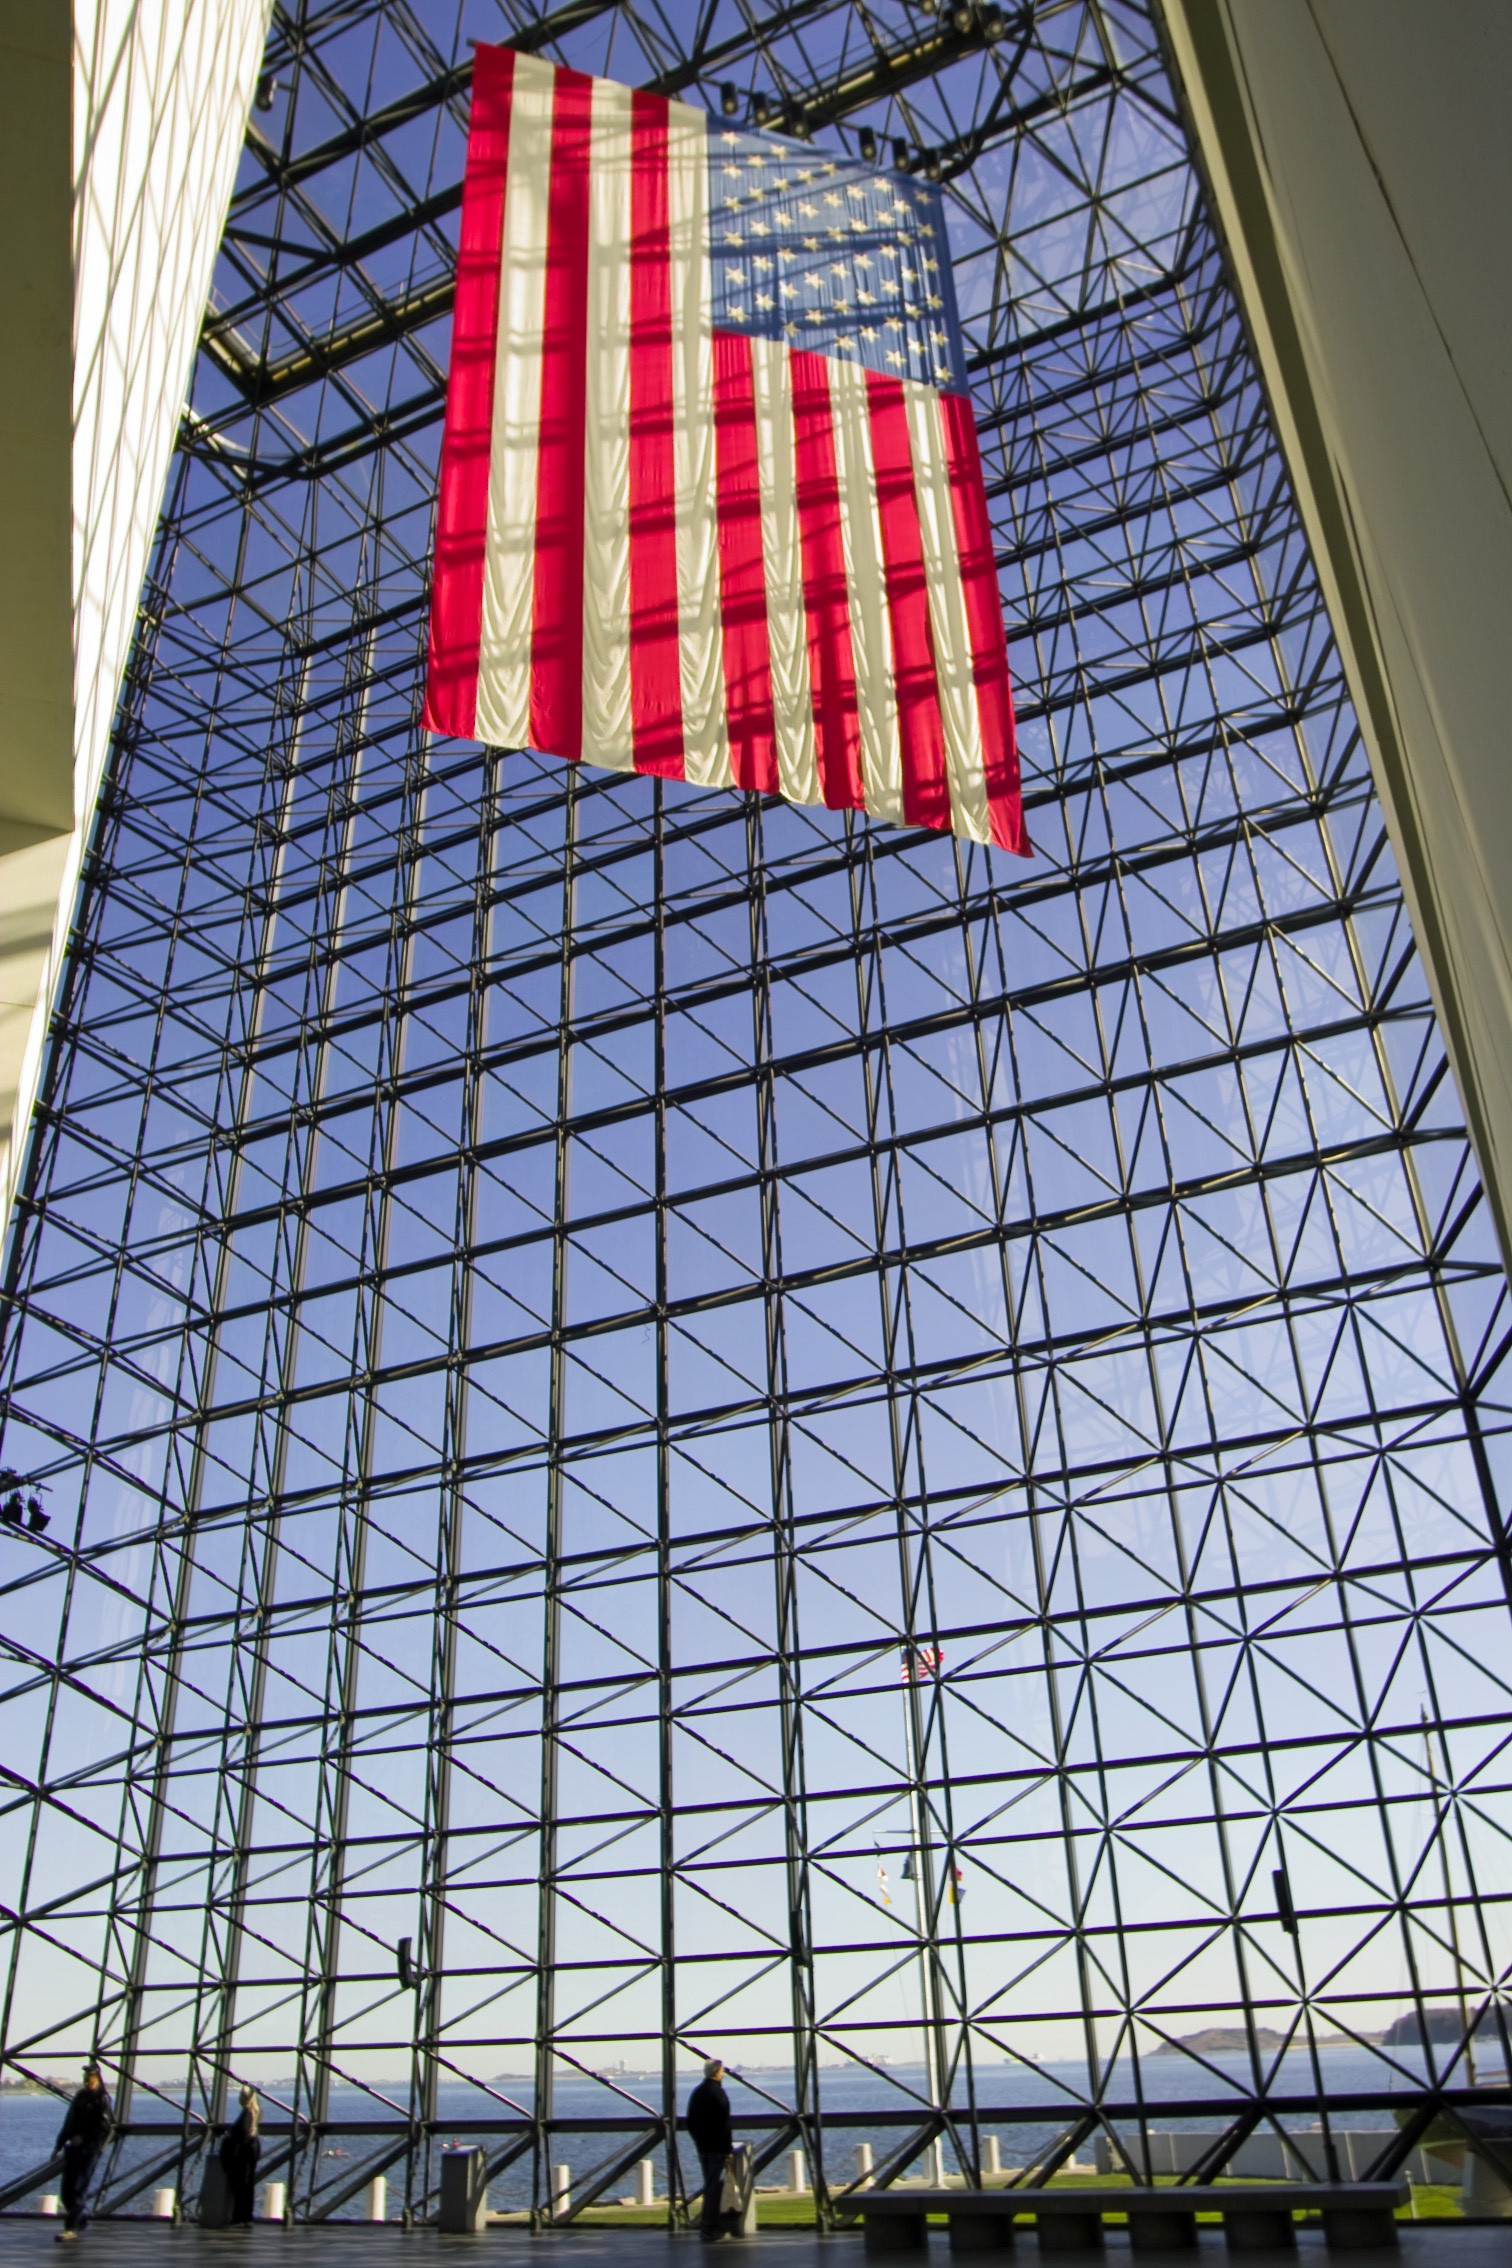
430	1939
904	1447
786	1548
666	1714
551	1642
220	1961
312	2089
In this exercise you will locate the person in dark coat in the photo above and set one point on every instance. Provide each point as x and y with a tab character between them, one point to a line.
709	2129
241	2147
81	2137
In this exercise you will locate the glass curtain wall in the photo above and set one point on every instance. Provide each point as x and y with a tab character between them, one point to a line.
676	1426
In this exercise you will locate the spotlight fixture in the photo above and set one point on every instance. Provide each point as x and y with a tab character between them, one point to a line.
960	17
900	157
729	99
868	145
761	108
19	1502
404	1964
930	161
994	24
267	88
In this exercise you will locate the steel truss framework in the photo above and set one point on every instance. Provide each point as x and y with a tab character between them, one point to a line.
623	1373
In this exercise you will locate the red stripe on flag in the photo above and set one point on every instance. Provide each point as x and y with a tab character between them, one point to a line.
984	618
556	646
921	728
832	665
451	684
655	633
742	571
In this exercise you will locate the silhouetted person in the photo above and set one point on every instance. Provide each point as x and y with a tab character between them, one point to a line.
241	2147
81	2137
709	2129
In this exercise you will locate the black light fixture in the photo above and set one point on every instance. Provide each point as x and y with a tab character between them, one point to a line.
729	99
405	1965
867	141
10	1511
900	156
36	1518
761	108
960	17
267	88
994	24
1286	1912
930	161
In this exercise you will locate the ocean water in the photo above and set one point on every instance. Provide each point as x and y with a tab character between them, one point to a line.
28	2123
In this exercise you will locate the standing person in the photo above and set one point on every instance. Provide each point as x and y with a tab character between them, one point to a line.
709	2127
241	2147
81	2138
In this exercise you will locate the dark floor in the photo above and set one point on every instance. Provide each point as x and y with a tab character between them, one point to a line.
158	2244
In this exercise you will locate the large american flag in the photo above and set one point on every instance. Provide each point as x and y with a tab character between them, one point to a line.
711	504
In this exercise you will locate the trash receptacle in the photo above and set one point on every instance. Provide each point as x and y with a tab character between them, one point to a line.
464	2191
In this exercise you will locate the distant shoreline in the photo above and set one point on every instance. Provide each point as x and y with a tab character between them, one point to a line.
1223	2040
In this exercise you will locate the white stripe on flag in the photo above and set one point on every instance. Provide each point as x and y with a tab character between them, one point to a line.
787	622
964	760
504	642
607	732
866	590
706	743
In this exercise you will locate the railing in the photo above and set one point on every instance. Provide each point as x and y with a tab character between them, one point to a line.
627	2138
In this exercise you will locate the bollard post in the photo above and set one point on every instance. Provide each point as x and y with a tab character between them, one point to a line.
992	2162
377	2196
645	2182
934	2164
797	2178
744	2173
163	2203
275	2194
863	2165
561	2190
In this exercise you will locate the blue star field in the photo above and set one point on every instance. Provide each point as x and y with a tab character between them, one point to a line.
826	254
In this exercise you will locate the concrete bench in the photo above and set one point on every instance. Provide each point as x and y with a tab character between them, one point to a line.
1256	2218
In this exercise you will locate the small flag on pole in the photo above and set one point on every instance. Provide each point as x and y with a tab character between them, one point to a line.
920	1663
711	504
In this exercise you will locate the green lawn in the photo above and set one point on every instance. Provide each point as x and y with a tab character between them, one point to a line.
1440	2204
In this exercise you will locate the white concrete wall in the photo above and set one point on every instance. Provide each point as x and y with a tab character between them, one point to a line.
161	92
36	664
1361	167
